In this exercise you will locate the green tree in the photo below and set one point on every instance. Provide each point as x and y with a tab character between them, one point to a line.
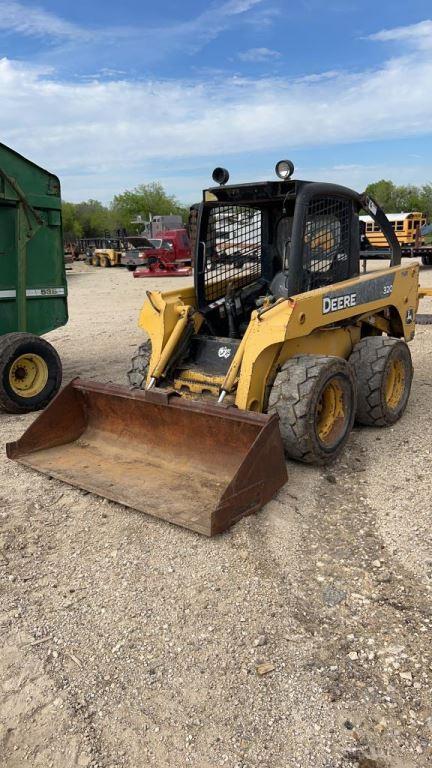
72	228
384	192
426	200
142	201
94	218
395	199
86	219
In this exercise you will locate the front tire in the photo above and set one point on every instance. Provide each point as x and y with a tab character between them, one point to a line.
384	372
105	262
30	373
137	374
315	398
95	261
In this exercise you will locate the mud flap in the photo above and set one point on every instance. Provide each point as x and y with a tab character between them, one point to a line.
195	464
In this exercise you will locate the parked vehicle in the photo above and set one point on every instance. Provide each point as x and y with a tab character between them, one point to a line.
158	223
177	245
133	257
33	287
173	254
407	228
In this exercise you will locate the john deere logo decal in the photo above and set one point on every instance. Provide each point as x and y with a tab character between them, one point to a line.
224	352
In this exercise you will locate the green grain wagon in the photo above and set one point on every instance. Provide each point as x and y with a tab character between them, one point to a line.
33	288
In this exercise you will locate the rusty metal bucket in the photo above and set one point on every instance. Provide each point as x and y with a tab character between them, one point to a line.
197	465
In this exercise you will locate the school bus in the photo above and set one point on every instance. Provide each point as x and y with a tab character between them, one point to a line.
407	227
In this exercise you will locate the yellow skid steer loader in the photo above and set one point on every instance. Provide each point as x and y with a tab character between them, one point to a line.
277	348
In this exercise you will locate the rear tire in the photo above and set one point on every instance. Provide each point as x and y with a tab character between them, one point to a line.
315	398
384	371
427	260
30	373
137	375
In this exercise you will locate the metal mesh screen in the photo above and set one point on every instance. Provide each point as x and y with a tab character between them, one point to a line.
233	249
327	241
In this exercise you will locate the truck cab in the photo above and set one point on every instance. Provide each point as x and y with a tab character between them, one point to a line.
175	246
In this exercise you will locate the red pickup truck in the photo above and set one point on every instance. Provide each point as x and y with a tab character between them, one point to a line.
171	255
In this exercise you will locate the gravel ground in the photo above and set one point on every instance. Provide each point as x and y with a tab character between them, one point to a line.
301	638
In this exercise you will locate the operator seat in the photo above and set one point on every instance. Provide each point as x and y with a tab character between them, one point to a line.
279	285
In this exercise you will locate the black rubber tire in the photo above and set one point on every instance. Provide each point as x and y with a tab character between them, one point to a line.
137	374
427	260
371	359
12	346
104	262
296	396
95	261
130	268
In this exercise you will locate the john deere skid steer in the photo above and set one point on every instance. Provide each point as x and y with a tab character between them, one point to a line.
278	347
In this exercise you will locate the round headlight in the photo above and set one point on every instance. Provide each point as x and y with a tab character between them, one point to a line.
284	169
220	175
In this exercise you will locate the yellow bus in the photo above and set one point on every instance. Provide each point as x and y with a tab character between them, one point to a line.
407	228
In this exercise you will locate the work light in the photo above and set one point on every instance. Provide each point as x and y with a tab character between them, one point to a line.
284	169
220	175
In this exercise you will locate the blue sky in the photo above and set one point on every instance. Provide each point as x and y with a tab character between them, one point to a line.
109	95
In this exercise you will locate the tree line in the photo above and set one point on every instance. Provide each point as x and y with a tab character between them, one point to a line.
395	199
93	219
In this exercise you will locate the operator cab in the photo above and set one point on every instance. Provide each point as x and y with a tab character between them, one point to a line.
263	242
258	244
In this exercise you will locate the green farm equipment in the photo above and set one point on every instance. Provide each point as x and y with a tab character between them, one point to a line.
33	289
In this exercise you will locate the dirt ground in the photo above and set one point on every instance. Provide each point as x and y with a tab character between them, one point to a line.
129	642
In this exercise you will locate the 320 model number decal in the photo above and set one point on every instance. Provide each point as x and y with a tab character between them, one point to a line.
370	290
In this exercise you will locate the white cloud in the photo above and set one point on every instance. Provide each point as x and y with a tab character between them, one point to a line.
317	76
420	35
259	55
96	133
190	35
36	22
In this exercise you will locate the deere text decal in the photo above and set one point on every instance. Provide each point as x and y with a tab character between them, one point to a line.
366	291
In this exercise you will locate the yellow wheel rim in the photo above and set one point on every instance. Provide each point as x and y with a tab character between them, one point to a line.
395	383
28	375
330	412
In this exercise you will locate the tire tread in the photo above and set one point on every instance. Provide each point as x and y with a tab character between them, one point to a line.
369	359
290	397
137	373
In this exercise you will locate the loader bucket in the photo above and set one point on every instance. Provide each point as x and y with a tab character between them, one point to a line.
195	464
